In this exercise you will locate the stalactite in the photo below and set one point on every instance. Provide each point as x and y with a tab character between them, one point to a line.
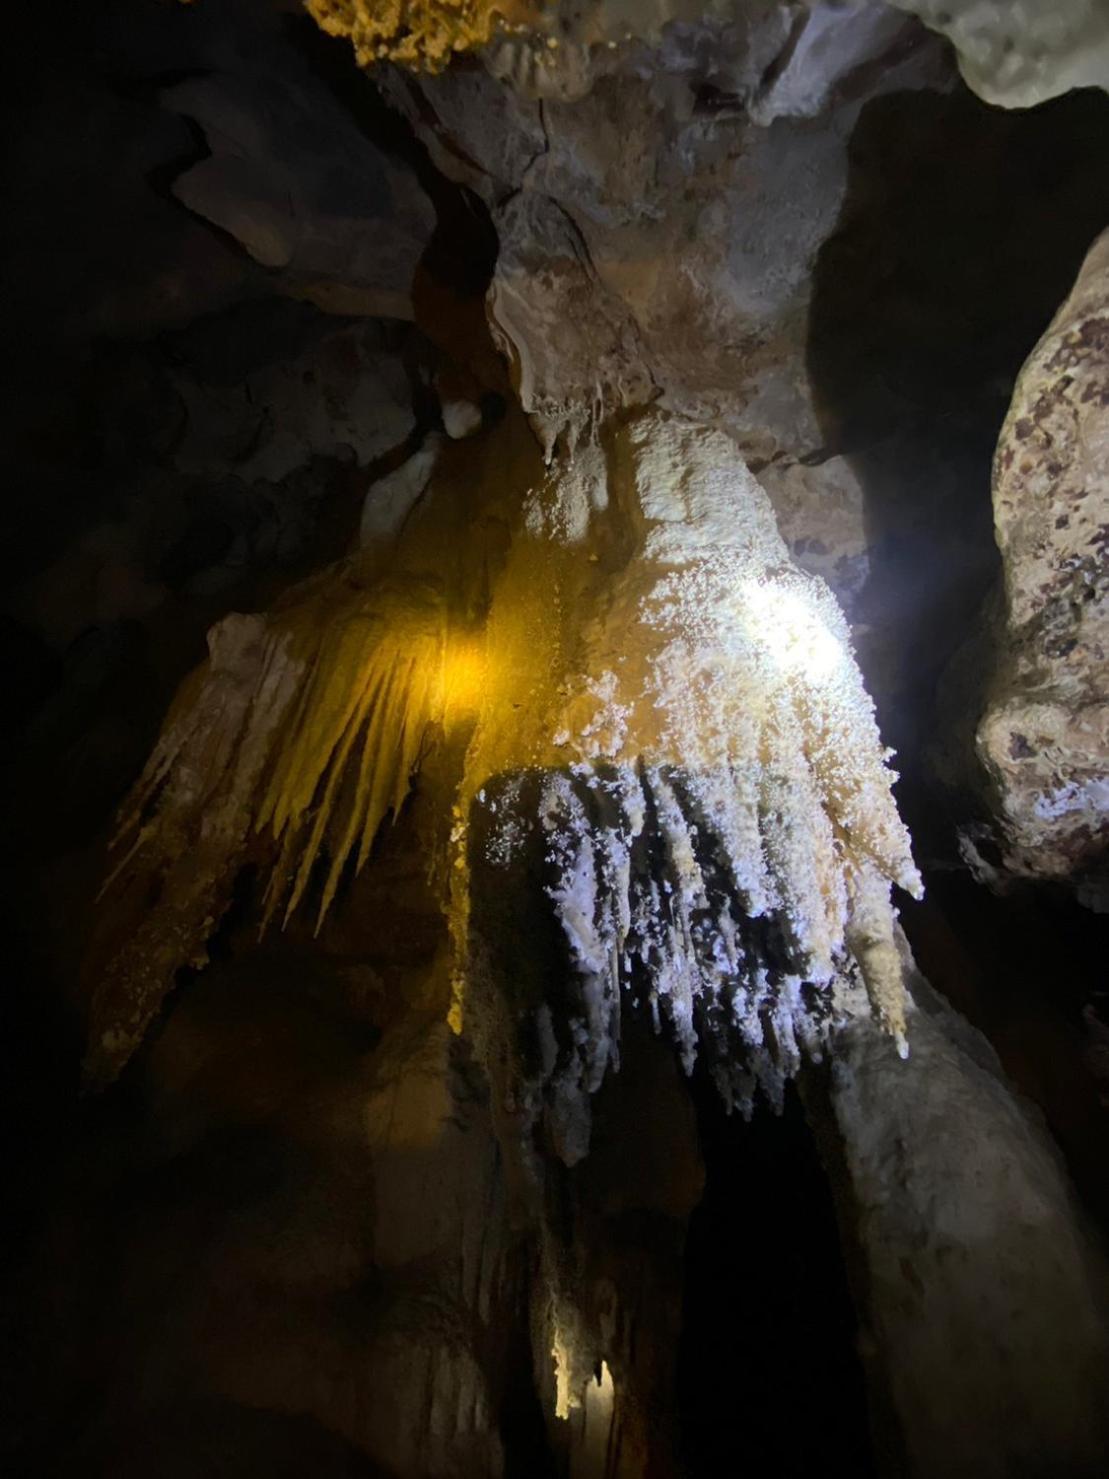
693	777
672	759
302	731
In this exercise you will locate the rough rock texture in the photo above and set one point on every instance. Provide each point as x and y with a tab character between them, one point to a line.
304	191
673	750
228	449
391	499
982	1287
1015	55
659	228
676	749
344	395
573	344
692	229
821	514
1044	738
1018	55
423	33
341	700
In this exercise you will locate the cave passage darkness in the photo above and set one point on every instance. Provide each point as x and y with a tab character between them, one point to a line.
962	227
763	1263
296	1235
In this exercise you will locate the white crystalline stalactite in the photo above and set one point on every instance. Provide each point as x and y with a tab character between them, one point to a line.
715	809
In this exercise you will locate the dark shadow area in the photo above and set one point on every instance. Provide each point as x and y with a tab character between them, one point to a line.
201	1219
769	1377
114	292
961	233
523	1430
116	561
463	250
225	1441
1021	968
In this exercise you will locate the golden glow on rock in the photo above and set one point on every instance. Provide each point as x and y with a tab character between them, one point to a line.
600	1401
566	1399
422	34
594	1397
465	677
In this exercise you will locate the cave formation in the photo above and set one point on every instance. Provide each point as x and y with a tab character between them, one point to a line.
488	484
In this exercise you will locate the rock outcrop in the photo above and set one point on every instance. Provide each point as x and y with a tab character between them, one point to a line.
673	752
1044	737
1018	55
1012	55
982	1286
660	220
292	179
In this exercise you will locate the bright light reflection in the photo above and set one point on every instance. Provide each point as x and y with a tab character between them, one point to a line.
464	676
798	640
596	1438
600	1395
565	1399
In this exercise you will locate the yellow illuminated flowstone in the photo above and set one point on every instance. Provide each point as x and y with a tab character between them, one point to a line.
643	692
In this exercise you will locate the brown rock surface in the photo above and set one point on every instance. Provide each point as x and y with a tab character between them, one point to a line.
1044	737
982	1286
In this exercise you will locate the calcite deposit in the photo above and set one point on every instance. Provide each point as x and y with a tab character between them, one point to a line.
664	706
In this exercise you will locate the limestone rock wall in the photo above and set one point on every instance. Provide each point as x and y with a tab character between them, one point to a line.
1044	737
659	227
1018	55
1014	55
982	1287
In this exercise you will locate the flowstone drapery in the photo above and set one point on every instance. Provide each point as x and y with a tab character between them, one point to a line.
676	754
672	784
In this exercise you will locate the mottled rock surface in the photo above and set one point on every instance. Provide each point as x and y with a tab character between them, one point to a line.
1012	54
1018	55
1044	737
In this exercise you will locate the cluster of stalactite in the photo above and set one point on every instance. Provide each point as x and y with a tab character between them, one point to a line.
670	763
692	782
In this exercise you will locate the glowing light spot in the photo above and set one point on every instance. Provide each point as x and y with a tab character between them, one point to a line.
798	639
566	1399
464	677
600	1394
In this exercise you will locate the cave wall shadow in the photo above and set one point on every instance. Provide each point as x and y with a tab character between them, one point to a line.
768	1292
962	230
961	233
